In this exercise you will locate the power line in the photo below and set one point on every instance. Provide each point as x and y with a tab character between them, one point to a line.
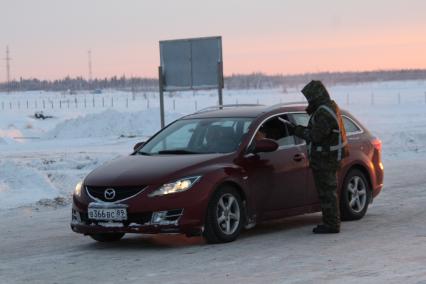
8	59
90	65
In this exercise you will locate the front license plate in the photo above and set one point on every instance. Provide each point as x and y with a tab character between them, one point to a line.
110	214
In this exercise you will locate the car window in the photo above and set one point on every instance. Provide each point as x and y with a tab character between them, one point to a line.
350	126
300	118
178	139
245	126
198	136
303	119
274	129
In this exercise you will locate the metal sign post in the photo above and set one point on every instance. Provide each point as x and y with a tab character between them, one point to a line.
220	82
160	84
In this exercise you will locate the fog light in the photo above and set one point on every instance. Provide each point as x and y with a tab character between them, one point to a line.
75	217
170	217
158	217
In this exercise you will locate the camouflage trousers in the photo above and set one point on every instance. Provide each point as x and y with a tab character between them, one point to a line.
326	184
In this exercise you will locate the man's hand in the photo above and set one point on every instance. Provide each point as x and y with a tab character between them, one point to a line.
290	125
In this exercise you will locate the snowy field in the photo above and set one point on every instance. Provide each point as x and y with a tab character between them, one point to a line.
55	153
42	160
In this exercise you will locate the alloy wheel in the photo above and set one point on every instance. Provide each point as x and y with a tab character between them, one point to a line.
228	214
357	196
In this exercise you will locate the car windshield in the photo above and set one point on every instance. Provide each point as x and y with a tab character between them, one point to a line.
198	136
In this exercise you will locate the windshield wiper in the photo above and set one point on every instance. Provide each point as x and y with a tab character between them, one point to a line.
143	153
177	151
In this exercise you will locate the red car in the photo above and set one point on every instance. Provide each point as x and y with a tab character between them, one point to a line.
218	171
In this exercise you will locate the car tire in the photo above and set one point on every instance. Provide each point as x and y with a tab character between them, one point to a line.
106	238
355	196
225	216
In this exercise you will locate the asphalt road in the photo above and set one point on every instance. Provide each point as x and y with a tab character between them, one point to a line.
388	245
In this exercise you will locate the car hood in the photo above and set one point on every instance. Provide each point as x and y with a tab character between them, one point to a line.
139	170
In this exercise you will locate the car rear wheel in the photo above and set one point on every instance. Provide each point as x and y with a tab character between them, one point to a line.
225	216
355	196
111	237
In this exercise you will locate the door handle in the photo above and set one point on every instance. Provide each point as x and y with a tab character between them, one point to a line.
298	157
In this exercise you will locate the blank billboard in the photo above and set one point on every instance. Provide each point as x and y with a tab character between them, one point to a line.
191	63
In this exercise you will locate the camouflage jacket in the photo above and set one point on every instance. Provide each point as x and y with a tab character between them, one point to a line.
325	137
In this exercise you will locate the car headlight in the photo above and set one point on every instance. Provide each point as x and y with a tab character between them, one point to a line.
175	187
78	188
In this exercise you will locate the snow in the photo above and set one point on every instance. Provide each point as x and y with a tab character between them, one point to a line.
3	140
386	246
401	129
55	153
110	224
21	184
42	160
110	123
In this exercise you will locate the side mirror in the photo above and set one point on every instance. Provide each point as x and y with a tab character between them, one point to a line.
265	145
138	145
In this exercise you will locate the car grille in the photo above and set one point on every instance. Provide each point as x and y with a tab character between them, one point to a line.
121	192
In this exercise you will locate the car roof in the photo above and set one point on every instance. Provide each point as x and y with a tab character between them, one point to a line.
246	110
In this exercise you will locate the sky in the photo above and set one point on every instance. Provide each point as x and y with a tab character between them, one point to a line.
50	39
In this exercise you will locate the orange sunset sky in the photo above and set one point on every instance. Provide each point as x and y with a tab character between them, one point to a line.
50	39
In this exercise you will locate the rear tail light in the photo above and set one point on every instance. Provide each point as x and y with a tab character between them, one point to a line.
377	143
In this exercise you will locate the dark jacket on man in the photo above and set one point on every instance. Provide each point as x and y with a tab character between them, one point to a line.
326	142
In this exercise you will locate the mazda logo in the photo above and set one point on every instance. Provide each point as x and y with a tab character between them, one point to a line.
109	194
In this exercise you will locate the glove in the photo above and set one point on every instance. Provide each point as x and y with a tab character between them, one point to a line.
290	125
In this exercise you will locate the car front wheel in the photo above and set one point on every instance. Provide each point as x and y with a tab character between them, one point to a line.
225	216
355	196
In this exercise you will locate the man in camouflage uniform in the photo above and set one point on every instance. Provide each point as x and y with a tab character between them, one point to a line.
326	141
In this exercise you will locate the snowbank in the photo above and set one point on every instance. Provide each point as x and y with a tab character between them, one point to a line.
20	185
6	140
111	123
2	141
11	132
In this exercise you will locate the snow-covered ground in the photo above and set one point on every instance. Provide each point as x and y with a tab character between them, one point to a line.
386	246
55	153
42	160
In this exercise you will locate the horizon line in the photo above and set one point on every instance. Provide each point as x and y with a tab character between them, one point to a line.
233	74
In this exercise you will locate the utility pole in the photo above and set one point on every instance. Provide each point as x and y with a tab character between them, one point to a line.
7	69
90	65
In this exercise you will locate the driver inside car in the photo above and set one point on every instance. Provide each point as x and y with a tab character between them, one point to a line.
275	130
220	139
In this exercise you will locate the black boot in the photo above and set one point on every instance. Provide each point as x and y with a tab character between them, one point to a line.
324	229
